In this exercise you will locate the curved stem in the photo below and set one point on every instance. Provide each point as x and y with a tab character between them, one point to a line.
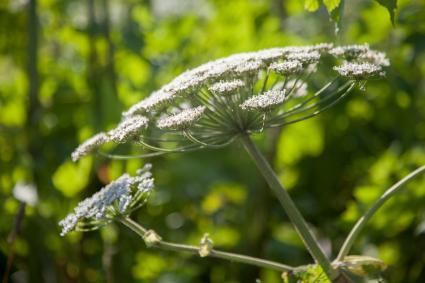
345	249
289	207
141	231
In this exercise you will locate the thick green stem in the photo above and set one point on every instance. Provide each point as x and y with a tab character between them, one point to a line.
354	233
289	207
141	231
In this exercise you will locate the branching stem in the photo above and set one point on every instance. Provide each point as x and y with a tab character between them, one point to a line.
141	231
354	233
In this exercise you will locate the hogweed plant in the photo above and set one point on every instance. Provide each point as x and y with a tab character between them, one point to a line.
226	101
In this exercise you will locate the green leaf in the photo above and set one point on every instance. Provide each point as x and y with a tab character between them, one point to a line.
391	6
331	4
311	5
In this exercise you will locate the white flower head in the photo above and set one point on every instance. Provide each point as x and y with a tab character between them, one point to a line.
189	112
26	193
128	128
181	120
350	51
265	101
375	57
152	101
304	57
322	47
119	197
249	67
89	146
358	70
287	67
226	87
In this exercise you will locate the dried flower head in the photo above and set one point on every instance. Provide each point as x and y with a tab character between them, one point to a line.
211	105
120	197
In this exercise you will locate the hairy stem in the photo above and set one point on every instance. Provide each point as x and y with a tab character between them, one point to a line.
289	206
354	233
141	231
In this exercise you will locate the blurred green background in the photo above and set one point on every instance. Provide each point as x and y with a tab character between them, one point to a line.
69	68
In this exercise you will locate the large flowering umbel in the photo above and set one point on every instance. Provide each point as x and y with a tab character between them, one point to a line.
119	198
211	105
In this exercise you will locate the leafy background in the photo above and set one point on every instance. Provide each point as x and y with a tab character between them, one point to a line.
68	69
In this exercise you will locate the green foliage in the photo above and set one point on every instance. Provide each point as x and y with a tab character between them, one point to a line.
311	5
306	274
391	6
335	165
335	8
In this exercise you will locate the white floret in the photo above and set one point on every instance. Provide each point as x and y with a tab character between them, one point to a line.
225	87
375	57
286	67
89	146
358	70
350	51
128	128
183	119
116	196
249	67
265	101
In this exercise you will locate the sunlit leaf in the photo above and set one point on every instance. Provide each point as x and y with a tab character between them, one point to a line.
331	4
391	6
311	5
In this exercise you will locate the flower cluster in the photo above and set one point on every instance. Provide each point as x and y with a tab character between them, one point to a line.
265	101
358	70
128	128
209	106
120	197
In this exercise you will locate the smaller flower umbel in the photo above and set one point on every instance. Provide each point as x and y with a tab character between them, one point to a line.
118	198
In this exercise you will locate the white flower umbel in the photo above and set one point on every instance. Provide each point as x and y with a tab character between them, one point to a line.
181	120
226	87
128	128
120	197
266	101
361	54
89	146
359	71
155	99
350	51
249	67
304	57
287	67
215	120
375	57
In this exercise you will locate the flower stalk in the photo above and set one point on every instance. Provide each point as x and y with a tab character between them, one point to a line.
361	223
159	243
289	206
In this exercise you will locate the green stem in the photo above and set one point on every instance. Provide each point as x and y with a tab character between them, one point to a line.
354	233
141	231
289	207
